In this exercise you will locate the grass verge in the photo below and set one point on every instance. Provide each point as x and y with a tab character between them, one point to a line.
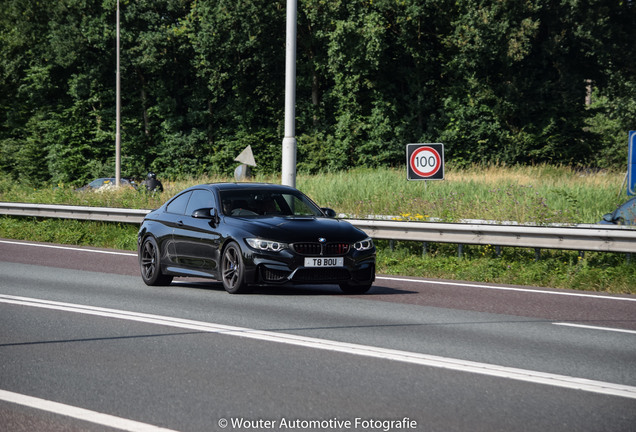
536	195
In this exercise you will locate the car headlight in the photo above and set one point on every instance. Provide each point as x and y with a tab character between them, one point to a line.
266	245
363	245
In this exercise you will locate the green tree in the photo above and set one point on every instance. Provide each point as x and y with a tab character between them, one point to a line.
519	75
239	59
494	80
25	87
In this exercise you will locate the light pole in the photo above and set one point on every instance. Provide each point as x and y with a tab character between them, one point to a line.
289	141
118	113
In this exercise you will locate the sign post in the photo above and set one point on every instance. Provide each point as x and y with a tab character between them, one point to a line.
425	161
288	174
631	164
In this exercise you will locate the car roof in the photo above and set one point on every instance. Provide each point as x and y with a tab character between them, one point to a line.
109	178
244	185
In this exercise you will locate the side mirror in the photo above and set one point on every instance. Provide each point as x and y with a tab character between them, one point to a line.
204	213
329	212
207	213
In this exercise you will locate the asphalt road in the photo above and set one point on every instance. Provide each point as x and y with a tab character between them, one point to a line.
85	345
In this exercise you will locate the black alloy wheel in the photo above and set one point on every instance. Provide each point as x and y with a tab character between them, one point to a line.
149	264
232	270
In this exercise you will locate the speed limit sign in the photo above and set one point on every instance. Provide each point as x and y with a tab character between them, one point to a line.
425	161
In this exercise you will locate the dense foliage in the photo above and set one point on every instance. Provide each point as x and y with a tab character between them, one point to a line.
494	80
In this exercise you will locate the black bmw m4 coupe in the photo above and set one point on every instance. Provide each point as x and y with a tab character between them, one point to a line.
253	234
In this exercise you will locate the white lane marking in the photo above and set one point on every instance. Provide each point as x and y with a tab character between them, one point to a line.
398	279
502	288
77	249
595	327
79	413
562	381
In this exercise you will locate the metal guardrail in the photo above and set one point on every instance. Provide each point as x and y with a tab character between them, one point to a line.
583	238
589	238
105	214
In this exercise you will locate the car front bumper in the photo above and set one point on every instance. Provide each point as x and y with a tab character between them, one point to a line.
288	268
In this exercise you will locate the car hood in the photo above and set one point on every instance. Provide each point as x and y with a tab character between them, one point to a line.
299	228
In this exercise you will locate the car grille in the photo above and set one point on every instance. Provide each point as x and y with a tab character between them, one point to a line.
336	248
315	249
307	248
321	275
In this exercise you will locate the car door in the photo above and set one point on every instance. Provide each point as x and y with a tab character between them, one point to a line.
172	216
196	238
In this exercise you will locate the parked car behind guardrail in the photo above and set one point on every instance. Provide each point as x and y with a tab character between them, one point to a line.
623	215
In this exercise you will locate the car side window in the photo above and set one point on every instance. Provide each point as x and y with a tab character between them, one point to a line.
179	204
200	199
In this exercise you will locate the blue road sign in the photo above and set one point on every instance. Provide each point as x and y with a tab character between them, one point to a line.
631	164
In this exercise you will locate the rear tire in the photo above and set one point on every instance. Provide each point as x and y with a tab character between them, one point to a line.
233	270
150	264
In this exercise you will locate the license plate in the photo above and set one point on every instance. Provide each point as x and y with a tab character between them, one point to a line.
324	262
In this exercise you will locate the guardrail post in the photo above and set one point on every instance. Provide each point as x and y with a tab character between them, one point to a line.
460	250
424	244
537	254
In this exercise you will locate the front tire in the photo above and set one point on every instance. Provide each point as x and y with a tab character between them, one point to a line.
150	264
233	270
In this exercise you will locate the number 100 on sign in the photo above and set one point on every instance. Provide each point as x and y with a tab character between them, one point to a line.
425	161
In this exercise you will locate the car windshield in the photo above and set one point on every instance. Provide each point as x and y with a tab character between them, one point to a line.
247	202
99	182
